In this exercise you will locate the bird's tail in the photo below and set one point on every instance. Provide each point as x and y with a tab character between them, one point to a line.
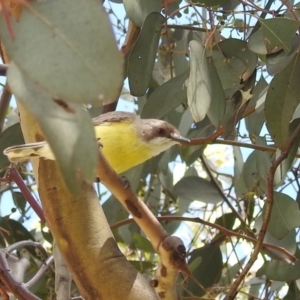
24	152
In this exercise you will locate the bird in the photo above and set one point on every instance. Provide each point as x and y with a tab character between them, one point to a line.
126	140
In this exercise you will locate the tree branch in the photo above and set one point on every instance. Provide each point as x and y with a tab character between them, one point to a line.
17	288
269	204
222	229
63	278
170	248
15	176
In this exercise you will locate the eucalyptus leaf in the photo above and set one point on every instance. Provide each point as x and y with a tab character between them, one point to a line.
283	98
137	10
142	243
167	97
256	43
208	272
254	181
276	62
279	33
288	242
279	270
285	216
67	128
73	58
143	54
194	188
216	110
229	70
9	137
235	48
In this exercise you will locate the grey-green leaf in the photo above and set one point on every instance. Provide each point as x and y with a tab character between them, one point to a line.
276	62
193	188
285	216
9	137
137	10
279	270
216	110
279	33
142	56
67	128
167	97
207	273
281	102
67	48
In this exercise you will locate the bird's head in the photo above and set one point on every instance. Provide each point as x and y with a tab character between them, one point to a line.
161	135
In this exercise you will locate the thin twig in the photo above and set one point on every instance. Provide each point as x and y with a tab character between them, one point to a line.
63	278
215	183
222	229
267	215
18	289
15	176
28	243
43	268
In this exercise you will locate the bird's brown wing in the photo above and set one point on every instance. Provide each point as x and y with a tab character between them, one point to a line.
114	116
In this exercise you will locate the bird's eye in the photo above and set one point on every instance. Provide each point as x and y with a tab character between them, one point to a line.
161	131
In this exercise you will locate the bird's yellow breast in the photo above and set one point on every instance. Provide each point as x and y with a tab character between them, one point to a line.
122	146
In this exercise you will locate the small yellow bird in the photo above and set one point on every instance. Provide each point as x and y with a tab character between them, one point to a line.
127	140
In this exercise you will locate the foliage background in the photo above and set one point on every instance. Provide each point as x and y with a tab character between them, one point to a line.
213	196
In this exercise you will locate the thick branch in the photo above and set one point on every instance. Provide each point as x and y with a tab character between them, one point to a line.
171	249
83	236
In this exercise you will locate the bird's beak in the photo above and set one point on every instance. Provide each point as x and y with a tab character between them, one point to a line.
178	138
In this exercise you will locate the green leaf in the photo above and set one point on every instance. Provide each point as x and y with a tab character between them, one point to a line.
256	43
226	220
167	97
194	188
286	164
67	128
285	216
283	98
255	121
195	263
143	54
293	292
279	33
279	271
230	69
142	243
171	226
276	62
17	231
208	271
20	201
231	272
216	110
235	48
138	10
142	266
181	63
256	182
73	58
9	137
288	242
